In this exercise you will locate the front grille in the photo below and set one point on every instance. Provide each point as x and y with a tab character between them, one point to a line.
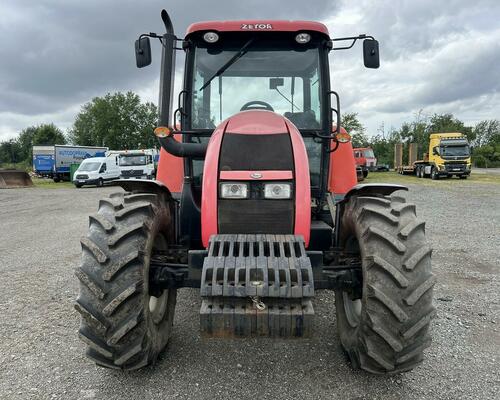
81	176
256	152
455	167
256	216
132	172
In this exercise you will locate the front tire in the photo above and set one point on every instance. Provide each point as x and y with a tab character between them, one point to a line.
434	174
386	330
123	325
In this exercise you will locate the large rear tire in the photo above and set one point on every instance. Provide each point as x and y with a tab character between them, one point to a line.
386	330
124	326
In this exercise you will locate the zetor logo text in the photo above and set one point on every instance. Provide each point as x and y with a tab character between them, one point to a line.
256	26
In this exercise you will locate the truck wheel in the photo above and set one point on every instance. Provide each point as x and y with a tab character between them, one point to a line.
56	179
78	185
434	174
385	329
462	176
100	183
123	324
365	173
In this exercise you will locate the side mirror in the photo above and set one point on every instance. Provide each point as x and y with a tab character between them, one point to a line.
434	151
142	52
275	82
370	53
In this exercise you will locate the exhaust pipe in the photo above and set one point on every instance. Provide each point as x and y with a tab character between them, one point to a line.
172	146
178	149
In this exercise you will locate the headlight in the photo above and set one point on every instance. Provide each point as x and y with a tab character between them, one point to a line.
303	38
211	37
277	190
234	190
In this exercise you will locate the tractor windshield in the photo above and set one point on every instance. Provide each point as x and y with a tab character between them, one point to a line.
279	77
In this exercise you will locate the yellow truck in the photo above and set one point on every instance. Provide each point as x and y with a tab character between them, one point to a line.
448	155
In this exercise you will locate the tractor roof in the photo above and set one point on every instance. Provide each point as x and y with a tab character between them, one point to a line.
258	26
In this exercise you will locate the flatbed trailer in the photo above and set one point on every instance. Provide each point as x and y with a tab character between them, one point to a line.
448	156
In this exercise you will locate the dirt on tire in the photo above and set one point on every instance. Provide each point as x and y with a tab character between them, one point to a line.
388	329
118	325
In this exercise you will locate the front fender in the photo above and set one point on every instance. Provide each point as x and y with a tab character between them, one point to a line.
143	185
369	189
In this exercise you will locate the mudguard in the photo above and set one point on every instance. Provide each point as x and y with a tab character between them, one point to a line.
369	189
143	185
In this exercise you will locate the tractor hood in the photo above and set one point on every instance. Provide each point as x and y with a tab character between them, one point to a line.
260	122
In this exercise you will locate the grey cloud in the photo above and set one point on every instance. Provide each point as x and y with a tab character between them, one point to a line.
436	56
57	54
65	52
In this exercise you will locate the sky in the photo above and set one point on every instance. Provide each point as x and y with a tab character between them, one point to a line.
436	56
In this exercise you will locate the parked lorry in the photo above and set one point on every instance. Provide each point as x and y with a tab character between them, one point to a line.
43	161
65	155
365	158
137	163
245	211
448	155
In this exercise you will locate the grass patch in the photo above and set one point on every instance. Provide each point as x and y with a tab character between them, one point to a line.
45	183
394	177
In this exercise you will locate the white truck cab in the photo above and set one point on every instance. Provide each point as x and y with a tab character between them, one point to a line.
97	171
139	164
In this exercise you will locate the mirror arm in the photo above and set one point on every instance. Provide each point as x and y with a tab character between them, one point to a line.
353	38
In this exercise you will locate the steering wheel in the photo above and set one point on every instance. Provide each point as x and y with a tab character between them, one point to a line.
256	105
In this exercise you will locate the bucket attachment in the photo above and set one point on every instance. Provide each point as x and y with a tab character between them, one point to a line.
13	178
256	285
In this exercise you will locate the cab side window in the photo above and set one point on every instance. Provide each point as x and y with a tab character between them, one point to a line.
103	168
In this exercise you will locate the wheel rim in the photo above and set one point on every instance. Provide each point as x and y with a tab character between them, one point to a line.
352	309
157	305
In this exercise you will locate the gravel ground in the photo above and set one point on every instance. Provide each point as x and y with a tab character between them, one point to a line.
483	171
42	358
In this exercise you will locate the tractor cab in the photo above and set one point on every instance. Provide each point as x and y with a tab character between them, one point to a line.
238	71
256	205
277	69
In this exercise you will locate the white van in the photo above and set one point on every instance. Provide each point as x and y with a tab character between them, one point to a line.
96	171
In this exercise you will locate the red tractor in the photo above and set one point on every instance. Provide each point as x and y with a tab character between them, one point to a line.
255	204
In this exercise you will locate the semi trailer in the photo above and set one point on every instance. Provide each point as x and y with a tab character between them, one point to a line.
65	155
449	155
43	161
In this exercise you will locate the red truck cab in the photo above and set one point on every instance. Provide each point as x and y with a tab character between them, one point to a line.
365	158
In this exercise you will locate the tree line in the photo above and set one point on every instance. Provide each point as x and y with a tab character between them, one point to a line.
118	121
122	121
484	137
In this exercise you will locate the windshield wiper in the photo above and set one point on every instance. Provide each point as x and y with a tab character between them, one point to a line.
241	52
